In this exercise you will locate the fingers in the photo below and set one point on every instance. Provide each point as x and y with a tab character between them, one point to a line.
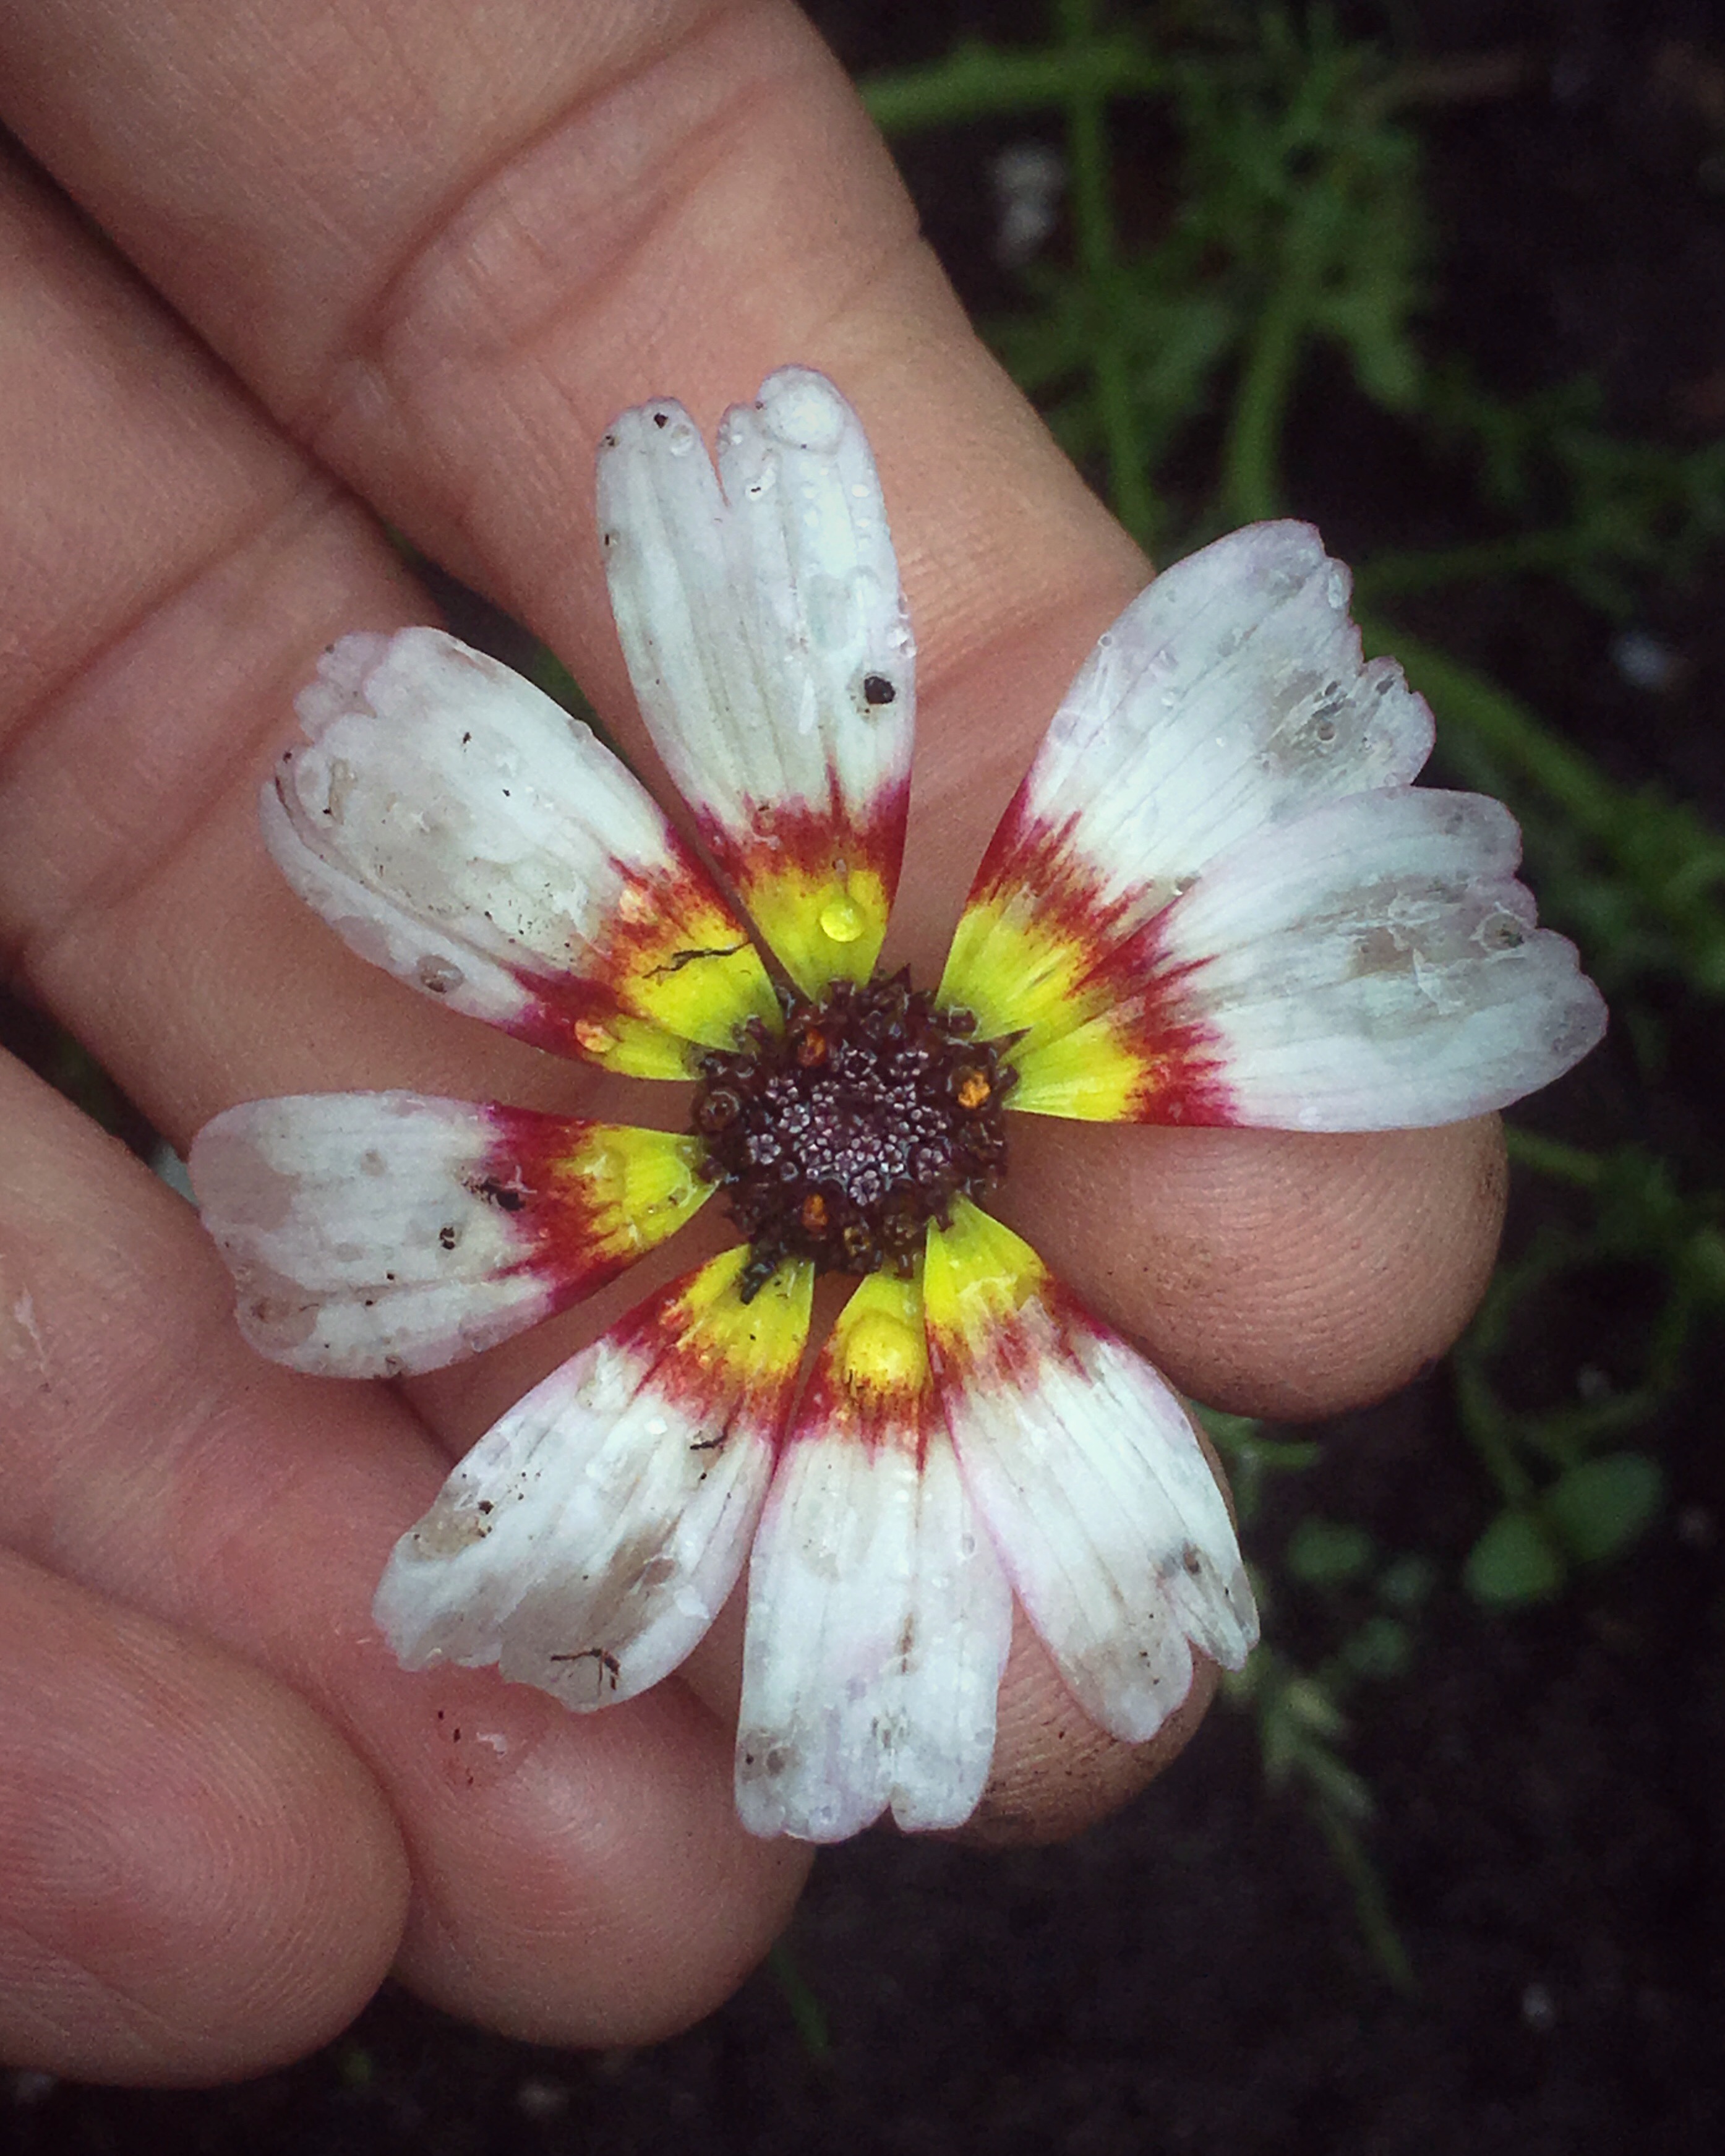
440	287
576	1879
446	273
202	1880
1270	1273
451	307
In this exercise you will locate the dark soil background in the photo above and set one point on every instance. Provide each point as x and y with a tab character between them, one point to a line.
1193	1976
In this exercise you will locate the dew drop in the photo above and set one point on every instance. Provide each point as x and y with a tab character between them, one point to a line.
842	920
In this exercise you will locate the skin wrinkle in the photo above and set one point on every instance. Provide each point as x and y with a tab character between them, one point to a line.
118	872
575	620
210	1884
455	234
696	174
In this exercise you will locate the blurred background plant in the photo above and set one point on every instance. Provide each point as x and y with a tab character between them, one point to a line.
1288	254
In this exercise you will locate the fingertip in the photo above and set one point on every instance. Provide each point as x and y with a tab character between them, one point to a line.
613	1898
1270	1272
1055	1773
202	1880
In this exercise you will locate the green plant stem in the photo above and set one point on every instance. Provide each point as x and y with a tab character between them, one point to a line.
1482	1421
1252	456
805	2009
978	82
1099	257
1425	568
1551	1157
1371	1904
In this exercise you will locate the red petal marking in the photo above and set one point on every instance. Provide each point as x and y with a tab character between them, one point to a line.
533	1172
684	1357
875	1419
664	920
806	838
1120	975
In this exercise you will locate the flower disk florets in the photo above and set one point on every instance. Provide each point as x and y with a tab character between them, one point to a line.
840	1137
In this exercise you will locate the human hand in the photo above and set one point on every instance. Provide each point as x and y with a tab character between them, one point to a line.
439	253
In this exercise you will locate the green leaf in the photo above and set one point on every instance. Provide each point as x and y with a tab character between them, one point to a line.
1327	1553
1514	1562
1598	1508
1407	1581
1382	1648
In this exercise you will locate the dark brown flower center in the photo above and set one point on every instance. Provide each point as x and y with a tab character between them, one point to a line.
840	1138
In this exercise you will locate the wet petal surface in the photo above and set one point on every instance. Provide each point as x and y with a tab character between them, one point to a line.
458	828
371	1234
879	1615
1090	1476
766	638
594	1533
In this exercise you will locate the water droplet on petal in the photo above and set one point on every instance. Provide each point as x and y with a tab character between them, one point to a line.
842	920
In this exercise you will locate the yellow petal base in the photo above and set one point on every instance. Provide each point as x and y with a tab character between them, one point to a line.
821	924
976	1276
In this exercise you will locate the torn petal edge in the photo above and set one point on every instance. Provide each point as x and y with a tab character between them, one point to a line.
1373	965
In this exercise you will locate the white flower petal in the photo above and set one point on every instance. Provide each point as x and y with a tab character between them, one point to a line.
588	1540
879	1617
771	654
459	829
375	1233
1230	697
1374	966
1091	1479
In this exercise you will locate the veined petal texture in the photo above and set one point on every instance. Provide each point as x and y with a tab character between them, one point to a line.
594	1533
1373	966
371	1234
1090	1476
1229	696
458	828
760	613
878	1616
1218	855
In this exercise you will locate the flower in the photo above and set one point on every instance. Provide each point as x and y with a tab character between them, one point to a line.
1216	898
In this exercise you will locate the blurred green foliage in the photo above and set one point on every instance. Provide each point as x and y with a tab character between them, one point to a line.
1294	235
